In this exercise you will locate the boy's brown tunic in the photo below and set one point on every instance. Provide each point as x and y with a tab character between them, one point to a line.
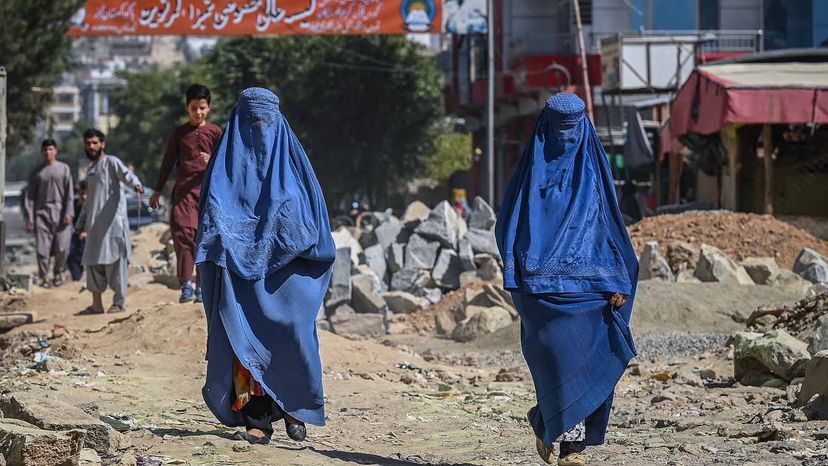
183	149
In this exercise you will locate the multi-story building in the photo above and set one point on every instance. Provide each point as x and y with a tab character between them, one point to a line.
83	94
537	54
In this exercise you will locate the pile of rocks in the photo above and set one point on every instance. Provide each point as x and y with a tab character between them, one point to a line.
482	311
406	264
685	262
776	358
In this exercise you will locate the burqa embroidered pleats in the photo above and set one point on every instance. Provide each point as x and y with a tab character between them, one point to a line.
264	257
565	251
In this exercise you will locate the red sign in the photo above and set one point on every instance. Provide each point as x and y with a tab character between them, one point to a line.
261	17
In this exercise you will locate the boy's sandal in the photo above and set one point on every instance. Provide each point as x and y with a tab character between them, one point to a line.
89	311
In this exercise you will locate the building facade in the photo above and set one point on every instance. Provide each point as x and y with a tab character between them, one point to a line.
537	54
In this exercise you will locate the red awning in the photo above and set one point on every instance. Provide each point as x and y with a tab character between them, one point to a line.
750	93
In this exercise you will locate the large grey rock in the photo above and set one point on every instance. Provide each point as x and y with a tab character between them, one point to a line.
411	280
23	444
716	266
387	233
446	273
762	270
489	296
481	321
402	302
343	310
482	215
466	253
789	281
421	253
442	225
777	351
483	242
653	264
344	239
811	266
818	340
488	267
445	322
340	291
682	256
816	377
415	211
375	259
433	295
358	325
366	295
395	258
46	412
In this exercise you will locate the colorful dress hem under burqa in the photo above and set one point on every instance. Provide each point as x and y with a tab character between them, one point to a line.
264	257
565	251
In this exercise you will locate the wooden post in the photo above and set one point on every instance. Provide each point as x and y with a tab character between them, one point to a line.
767	142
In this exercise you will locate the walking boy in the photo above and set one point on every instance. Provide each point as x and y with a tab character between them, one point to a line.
104	223
189	149
48	211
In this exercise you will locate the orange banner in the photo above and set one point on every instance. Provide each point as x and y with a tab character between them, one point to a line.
252	17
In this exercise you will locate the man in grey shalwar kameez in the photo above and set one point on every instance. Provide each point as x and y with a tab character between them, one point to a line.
104	223
48	210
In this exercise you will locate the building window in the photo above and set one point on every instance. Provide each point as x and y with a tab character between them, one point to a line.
66	98
64	117
708	14
586	11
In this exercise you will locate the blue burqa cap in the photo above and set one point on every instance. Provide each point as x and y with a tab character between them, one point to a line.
261	205
559	228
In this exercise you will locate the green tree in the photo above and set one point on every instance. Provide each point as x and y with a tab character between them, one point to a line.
34	49
149	108
452	153
365	107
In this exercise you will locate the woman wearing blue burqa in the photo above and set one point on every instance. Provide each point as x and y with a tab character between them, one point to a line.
572	272
264	257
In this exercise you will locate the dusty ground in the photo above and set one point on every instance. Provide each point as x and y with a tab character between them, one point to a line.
414	399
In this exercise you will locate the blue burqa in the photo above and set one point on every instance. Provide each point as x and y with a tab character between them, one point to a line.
565	251
264	257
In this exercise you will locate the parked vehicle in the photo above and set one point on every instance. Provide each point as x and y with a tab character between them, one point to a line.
16	234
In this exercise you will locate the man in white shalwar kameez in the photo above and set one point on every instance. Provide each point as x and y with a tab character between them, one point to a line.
104	223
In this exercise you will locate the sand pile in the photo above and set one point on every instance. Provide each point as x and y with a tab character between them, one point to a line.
739	235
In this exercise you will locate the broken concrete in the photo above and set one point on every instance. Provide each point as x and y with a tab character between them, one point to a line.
49	413
23	444
716	266
762	270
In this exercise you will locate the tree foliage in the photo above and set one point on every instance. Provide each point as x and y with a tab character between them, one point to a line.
452	153
34	49
149	108
365	107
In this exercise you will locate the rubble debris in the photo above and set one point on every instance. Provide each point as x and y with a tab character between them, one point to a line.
653	265
811	266
816	378
23	444
401	302
758	357
49	413
715	266
10	320
762	270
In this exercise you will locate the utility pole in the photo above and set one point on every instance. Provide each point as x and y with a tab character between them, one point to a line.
2	171
490	103
584	67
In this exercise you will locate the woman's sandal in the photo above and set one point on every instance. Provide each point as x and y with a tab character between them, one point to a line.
295	428
252	439
547	454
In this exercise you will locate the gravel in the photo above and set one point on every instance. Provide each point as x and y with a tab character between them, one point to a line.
665	345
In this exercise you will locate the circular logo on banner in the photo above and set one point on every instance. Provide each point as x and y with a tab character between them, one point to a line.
418	14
